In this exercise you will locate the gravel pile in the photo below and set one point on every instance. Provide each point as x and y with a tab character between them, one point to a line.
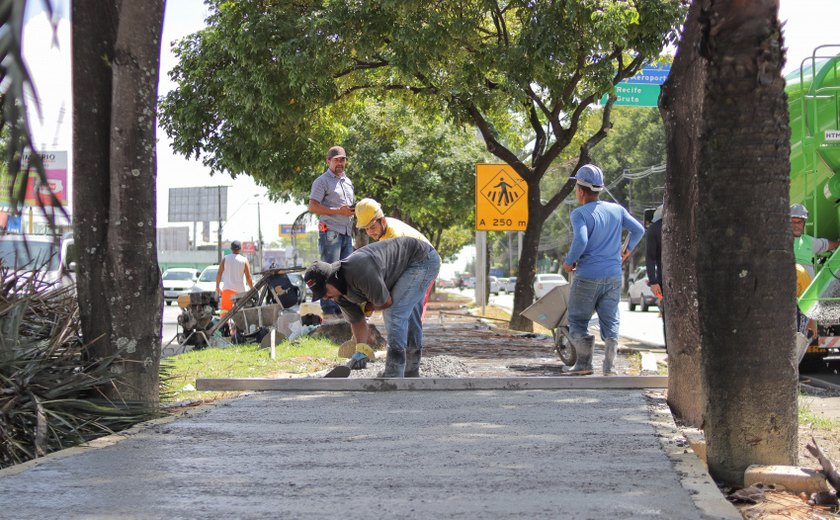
434	366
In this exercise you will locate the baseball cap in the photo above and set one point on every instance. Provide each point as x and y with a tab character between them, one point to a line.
335	151
590	176
316	277
236	244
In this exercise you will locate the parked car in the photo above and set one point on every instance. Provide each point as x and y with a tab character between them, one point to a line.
444	283
178	281
639	293
545	282
44	259
207	280
509	285
469	282
494	285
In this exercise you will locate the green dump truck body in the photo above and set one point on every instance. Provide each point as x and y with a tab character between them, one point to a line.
814	104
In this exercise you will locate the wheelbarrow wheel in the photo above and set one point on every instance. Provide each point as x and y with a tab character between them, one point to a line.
563	346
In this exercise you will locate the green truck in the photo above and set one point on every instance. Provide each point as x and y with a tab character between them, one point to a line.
814	105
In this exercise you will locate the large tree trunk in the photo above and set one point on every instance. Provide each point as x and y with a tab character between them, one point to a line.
524	290
116	55
744	260
681	106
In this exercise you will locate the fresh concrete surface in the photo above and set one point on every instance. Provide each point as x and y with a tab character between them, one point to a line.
358	455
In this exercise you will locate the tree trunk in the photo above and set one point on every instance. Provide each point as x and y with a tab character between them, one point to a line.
681	106
744	260
524	290
116	54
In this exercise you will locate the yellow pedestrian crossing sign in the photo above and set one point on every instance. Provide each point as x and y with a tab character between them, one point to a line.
501	198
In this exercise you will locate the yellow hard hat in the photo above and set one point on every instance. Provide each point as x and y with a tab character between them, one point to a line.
366	211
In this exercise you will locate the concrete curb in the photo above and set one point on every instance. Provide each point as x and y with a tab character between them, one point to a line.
694	476
432	383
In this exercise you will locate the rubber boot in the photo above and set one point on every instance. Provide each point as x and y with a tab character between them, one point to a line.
394	363
412	362
583	365
610	348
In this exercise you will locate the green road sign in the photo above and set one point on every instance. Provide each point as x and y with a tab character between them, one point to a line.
635	95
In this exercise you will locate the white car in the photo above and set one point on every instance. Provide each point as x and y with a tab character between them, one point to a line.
44	259
178	281
509	284
494	285
207	280
547	281
639	293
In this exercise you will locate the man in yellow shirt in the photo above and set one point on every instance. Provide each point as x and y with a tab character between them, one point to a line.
369	216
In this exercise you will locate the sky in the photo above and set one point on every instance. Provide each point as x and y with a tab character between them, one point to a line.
808	23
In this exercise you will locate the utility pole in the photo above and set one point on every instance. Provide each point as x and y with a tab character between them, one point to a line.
219	214
259	238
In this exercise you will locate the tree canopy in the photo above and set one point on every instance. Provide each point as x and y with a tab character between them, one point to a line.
266	87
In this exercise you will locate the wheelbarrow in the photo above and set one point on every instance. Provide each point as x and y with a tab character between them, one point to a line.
550	311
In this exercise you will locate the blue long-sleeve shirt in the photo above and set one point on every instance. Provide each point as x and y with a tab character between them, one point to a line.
596	246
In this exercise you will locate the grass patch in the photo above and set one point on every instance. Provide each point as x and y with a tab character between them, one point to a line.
809	418
298	357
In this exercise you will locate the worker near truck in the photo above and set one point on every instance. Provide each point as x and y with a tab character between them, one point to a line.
391	276
595	256
331	198
233	272
806	247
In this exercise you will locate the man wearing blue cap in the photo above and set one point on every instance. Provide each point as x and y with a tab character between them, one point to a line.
595	256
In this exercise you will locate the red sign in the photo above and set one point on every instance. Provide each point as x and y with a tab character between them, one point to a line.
249	247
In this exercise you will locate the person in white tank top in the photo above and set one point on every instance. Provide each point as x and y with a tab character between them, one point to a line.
231	272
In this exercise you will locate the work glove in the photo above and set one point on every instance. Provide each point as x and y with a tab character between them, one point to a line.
358	361
367	309
360	358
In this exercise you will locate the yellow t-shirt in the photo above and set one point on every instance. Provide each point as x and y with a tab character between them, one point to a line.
398	228
803	280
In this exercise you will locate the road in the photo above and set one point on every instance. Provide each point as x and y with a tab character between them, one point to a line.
645	327
170	322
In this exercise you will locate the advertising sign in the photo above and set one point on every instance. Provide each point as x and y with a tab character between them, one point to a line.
55	166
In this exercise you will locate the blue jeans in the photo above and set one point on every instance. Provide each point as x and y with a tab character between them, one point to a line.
332	248
589	295
403	318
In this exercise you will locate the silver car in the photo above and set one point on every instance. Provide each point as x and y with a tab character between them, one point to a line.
178	281
639	293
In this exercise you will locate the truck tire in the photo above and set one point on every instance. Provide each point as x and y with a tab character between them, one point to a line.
632	305
644	305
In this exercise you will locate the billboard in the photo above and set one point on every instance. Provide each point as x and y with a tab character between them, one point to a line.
55	166
201	204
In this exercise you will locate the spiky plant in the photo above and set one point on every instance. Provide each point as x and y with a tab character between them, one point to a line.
50	394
